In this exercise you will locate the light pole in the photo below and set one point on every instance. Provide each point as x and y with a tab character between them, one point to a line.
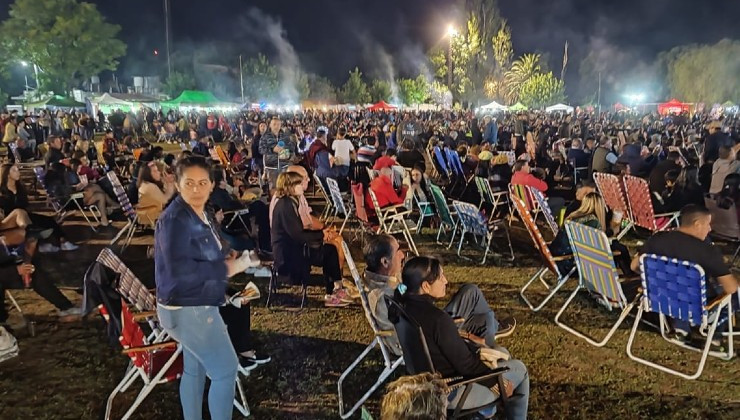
35	74
167	34
451	33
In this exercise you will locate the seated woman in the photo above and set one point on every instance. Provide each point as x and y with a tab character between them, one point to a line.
93	194
592	213
423	283
154	192
14	198
296	246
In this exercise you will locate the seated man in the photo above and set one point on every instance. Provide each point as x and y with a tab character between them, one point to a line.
523	176
577	156
382	185
689	243
384	259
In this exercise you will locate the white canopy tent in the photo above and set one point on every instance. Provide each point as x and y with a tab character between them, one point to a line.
493	107
560	107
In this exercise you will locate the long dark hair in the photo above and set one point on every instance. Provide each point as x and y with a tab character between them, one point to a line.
416	271
145	175
4	176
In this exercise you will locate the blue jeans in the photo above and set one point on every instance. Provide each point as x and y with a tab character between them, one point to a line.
207	350
516	406
470	304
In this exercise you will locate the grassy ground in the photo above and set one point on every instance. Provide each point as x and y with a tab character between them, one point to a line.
67	370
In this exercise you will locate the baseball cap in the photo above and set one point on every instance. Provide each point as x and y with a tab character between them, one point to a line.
384	162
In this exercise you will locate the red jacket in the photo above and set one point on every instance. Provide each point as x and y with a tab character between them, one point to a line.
522	178
382	186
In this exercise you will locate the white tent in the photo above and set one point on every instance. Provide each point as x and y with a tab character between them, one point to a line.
493	106
107	99
560	107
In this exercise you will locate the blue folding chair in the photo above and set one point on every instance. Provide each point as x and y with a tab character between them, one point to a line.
471	221
597	275
442	162
678	289
545	209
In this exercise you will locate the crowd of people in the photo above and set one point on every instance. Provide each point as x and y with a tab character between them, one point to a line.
214	217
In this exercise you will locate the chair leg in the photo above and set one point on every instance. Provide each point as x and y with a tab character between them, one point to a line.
452	239
131	373
538	275
121	233
241	401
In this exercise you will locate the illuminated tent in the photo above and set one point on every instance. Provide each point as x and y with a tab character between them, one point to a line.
56	102
381	106
494	107
560	107
195	99
518	107
674	106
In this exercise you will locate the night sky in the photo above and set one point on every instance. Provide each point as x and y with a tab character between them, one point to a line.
332	36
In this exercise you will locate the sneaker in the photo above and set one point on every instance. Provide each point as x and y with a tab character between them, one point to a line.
259	358
68	246
343	295
262	272
332	301
506	327
48	248
351	289
246	365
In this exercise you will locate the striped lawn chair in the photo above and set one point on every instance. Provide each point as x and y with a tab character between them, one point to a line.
641	207
471	221
487	196
549	262
443	211
677	289
510	157
19	161
133	219
432	166
545	210
328	209
597	275
611	189
74	202
425	209
390	360
442	163
338	205
524	193
392	220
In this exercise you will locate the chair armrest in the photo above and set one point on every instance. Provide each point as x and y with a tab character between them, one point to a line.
139	316
671	214
384	333
151	347
458	320
717	301
77	196
562	257
394	208
237	212
462	381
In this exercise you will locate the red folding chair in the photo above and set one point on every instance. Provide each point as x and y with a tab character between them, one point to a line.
611	189
641	206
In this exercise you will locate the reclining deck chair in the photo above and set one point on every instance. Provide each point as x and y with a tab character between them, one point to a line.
19	161
545	210
446	219
487	196
340	208
549	262
471	221
389	364
134	223
611	189
363	219
440	162
392	220
678	289
417	360
638	196
597	275
426	210
524	193
74	202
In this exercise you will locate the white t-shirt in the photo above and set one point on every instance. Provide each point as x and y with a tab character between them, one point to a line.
342	148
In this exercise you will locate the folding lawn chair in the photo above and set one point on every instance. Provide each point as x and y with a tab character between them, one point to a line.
19	160
433	167
154	362
611	189
471	221
641	206
510	157
549	262
133	223
418	360
524	193
74	202
363	219
544	209
9	294
389	364
442	163
492	199
392	220
597	275
678	289
444	213
425	210
337	201
329	207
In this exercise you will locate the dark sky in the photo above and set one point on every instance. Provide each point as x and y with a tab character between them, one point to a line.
332	36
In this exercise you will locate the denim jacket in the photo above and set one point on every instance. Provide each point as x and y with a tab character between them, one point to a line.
188	262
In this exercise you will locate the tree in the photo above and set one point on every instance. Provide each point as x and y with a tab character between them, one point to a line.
355	91
321	89
541	90
414	91
380	90
502	49
704	73
68	41
177	82
522	69
260	79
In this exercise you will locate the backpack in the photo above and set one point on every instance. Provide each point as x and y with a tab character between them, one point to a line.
8	345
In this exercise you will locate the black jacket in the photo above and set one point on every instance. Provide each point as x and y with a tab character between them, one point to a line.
290	241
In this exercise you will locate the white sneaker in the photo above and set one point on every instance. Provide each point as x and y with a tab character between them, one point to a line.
48	248
262	272
73	311
69	246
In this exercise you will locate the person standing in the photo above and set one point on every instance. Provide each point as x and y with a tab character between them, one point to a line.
343	150
277	150
191	275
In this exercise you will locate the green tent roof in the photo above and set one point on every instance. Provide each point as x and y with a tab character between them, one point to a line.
518	107
57	101
193	97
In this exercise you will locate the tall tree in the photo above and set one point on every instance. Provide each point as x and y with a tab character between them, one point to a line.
355	91
522	69
380	90
177	82
260	79
541	90
414	91
67	40
704	73
321	89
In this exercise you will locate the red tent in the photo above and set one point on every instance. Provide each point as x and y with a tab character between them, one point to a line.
674	106
382	106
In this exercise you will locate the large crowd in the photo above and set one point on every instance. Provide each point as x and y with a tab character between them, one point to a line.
234	200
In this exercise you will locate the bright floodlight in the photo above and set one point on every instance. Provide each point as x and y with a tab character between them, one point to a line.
451	31
24	63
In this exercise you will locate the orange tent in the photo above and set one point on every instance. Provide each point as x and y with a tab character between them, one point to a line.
381	106
674	106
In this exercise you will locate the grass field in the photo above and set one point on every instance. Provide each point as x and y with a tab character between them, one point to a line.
67	370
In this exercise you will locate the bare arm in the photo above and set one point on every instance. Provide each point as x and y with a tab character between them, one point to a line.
728	283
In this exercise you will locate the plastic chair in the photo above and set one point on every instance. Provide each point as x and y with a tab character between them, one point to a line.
444	213
549	262
611	189
597	275
641	207
389	364
471	221
677	289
